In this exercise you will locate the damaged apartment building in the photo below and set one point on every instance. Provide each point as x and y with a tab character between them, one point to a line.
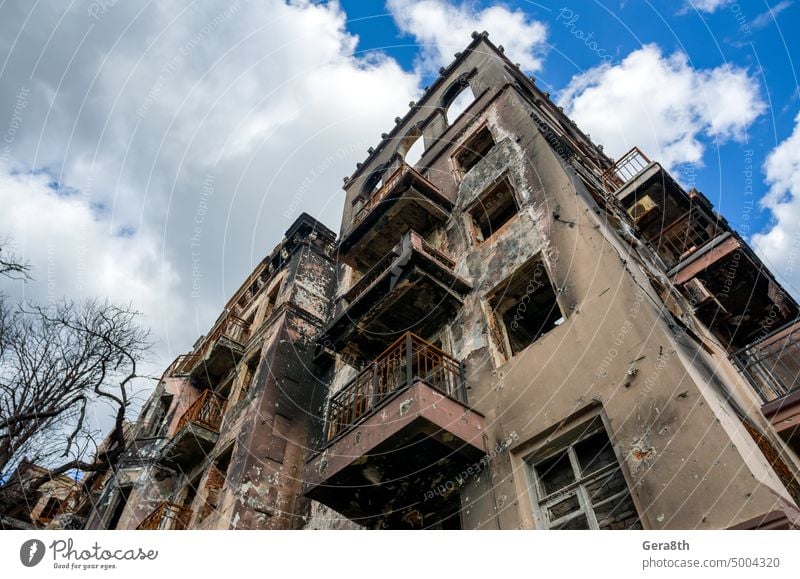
511	331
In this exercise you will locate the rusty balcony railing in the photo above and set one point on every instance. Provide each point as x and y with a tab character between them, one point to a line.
206	411
388	185
231	327
167	516
409	359
685	235
625	169
772	363
410	241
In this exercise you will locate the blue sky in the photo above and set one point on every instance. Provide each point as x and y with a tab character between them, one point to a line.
758	36
153	153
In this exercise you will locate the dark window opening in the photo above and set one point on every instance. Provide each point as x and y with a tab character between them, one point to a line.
474	150
525	306
191	492
493	209
119	507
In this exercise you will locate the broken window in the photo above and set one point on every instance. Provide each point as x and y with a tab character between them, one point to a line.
525	307
492	210
581	485
51	509
164	404
249	376
474	150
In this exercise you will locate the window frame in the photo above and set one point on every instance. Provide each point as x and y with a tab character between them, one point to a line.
566	442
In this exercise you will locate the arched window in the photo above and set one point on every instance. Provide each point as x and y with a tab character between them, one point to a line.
459	105
414	154
412	147
457	98
374	181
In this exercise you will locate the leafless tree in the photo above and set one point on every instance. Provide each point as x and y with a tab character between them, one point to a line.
10	265
57	363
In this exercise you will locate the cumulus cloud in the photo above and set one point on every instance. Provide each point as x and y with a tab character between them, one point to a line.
159	152
663	105
443	28
75	253
780	244
708	6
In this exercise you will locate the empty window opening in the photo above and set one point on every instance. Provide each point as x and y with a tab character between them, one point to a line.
492	210
412	147
525	306
474	150
119	507
249	376
459	104
164	404
374	181
581	485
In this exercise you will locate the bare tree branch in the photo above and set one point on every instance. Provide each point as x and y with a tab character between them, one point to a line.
54	362
10	265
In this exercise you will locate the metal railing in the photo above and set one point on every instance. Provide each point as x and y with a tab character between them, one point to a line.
772	363
685	235
411	241
206	411
409	359
624	169
231	327
167	516
387	186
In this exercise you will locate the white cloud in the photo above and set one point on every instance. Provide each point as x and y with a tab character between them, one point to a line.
708	6
443	28
74	252
135	113
771	15
663	105
780	244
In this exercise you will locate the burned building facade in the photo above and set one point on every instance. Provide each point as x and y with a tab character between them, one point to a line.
512	331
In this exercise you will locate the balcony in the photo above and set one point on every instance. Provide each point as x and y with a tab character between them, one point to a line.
685	235
165	517
412	288
772	366
406	201
397	430
409	359
219	352
197	430
626	168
